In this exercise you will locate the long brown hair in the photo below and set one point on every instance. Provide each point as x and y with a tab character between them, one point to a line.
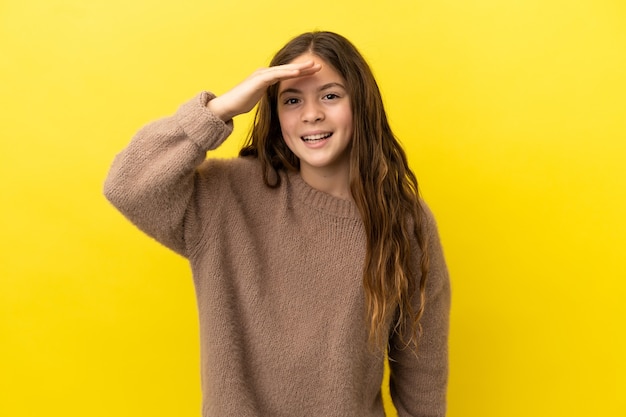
383	187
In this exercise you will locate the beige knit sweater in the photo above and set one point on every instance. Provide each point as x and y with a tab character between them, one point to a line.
278	278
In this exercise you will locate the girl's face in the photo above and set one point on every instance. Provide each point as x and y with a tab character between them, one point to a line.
316	119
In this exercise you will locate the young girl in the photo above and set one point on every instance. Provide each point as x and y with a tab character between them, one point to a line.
311	253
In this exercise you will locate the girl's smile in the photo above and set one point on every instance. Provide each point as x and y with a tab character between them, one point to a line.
316	137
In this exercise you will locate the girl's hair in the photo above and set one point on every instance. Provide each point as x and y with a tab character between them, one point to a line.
382	185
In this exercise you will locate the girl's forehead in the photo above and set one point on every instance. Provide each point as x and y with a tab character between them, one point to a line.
327	74
308	56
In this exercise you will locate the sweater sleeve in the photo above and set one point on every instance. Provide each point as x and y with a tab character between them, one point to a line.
418	381
151	181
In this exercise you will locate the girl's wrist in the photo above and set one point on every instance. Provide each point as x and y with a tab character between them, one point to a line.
215	107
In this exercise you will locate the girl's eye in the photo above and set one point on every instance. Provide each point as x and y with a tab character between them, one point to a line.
291	101
330	96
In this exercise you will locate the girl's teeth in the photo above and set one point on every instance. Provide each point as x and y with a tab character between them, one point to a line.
316	137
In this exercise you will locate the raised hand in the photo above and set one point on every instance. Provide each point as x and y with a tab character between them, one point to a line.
243	97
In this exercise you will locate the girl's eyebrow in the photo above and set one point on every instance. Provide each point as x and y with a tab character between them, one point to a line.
322	88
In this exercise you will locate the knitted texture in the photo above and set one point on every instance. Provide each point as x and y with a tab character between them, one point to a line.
278	278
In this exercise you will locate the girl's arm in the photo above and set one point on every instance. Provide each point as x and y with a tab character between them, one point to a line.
151	181
418	381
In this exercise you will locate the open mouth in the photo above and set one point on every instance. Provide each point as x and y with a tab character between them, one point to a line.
316	138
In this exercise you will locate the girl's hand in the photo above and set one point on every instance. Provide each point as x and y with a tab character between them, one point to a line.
243	97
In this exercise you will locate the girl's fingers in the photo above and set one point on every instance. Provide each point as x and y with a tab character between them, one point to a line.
278	73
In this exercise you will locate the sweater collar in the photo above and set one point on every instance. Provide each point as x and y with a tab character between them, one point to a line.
320	200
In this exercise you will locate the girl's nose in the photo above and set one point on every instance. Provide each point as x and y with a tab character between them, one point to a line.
312	112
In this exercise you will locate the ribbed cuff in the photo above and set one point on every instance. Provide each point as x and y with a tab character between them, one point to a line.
202	126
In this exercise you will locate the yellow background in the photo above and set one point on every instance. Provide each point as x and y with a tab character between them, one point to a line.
514	117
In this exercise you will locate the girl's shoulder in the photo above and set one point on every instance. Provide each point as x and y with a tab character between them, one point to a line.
242	176
236	168
230	167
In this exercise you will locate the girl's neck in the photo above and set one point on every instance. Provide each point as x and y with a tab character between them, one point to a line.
335	182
